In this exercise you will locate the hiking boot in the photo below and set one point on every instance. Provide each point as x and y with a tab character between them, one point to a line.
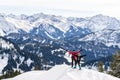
75	67
79	68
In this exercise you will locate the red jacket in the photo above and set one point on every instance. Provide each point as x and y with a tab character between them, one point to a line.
74	54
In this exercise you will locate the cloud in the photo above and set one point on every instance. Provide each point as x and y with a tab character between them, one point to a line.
63	7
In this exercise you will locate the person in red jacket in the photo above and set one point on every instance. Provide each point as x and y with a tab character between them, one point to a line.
74	57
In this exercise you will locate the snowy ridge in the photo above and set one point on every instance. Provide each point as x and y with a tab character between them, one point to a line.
108	37
64	72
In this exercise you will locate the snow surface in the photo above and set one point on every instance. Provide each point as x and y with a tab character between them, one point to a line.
29	61
64	72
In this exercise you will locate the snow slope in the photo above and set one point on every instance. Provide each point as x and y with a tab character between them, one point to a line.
20	24
64	72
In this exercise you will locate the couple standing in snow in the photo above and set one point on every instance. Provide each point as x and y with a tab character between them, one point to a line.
75	57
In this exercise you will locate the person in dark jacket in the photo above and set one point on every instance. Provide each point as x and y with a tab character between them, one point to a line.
79	56
78	60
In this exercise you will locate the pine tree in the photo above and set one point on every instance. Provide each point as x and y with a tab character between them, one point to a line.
9	74
36	67
115	65
16	73
100	66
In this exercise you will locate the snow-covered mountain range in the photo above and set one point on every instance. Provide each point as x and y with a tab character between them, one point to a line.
58	27
64	72
12	23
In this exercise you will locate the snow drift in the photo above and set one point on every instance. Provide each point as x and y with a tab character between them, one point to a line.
64	72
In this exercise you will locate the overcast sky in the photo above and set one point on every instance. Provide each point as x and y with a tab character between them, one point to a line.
75	8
